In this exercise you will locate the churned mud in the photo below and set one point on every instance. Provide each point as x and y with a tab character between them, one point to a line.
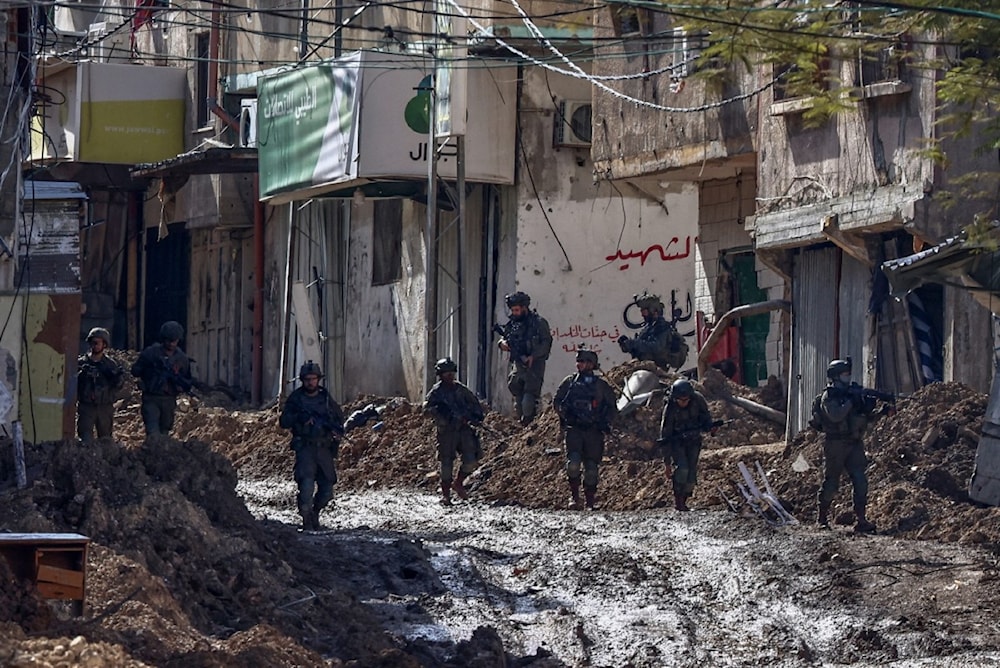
196	560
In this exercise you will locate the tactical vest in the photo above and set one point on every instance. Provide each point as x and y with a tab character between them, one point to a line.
582	404
838	416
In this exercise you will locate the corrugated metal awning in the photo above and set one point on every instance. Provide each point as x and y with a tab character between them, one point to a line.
213	160
958	262
38	190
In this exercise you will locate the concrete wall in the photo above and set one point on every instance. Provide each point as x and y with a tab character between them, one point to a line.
582	250
724	206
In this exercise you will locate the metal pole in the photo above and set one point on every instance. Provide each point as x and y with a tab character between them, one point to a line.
430	295
463	368
285	342
304	32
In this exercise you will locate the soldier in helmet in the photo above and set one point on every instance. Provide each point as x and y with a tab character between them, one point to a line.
454	408
98	379
527	338
586	406
843	416
685	417
164	371
317	425
658	340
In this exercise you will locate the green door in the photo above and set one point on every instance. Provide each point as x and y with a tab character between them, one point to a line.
754	328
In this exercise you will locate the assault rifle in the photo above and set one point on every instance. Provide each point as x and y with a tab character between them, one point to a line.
451	414
324	421
867	397
516	344
693	430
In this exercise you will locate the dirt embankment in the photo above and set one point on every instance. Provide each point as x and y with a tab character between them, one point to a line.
181	573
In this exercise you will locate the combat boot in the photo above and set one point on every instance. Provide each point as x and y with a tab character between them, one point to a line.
863	525
823	519
460	488
574	490
680	502
315	526
308	518
590	497
445	493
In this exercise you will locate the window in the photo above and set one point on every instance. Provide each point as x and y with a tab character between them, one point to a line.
202	92
387	242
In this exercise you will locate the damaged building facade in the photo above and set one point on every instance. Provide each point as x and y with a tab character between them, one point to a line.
811	210
275	200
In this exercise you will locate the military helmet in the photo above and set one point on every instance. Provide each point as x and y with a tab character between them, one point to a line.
584	354
310	368
682	387
648	301
171	330
837	367
518	299
445	365
99	333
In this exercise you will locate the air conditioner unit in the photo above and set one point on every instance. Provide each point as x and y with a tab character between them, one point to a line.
248	123
573	125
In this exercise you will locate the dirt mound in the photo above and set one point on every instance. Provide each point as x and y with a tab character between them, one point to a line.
921	461
180	573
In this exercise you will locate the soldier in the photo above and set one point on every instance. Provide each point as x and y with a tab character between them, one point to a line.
527	338
658	340
842	416
317	425
454	407
98	379
586	406
685	416
164	371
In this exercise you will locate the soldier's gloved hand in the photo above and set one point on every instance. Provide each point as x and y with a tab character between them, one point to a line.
623	342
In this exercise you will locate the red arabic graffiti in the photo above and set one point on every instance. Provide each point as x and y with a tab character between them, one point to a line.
644	254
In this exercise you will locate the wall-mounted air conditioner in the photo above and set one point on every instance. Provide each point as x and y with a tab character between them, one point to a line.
248	123
573	124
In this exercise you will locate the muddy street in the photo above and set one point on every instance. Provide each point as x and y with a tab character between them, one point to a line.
649	588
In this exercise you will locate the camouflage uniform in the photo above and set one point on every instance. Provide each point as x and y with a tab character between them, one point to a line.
842	416
317	425
586	406
528	337
658	341
97	383
680	435
454	407
162	376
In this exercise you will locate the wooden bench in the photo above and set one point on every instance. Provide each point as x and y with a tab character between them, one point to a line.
55	562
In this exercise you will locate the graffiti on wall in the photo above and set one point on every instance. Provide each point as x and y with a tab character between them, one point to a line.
595	336
666	253
677	314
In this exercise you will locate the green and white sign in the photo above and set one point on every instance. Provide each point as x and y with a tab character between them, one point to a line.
305	127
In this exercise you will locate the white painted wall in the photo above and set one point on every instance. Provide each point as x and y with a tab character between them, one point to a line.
584	249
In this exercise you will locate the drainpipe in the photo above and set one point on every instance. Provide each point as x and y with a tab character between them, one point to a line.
213	71
257	358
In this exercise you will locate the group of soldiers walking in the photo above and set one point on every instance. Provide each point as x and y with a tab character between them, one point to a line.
584	402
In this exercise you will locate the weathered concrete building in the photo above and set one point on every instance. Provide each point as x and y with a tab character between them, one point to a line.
811	210
265	274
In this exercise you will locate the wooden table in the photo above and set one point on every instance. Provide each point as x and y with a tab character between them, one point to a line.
55	562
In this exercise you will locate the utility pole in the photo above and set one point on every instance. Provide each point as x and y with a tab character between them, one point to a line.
430	294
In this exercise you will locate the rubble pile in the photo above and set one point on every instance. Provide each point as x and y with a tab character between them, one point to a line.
182	574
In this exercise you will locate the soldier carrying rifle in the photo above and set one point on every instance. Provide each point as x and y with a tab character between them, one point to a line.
842	412
164	371
454	408
98	378
317	424
685	416
527	338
